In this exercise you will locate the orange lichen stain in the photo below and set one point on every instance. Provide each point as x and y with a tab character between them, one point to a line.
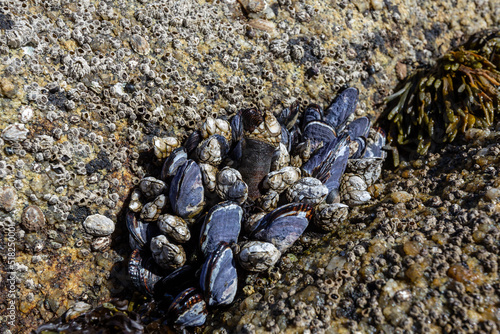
63	271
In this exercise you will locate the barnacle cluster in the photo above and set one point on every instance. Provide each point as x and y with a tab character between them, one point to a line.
461	91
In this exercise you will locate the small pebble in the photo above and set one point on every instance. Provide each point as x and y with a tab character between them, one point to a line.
377	4
8	88
412	248
401	197
493	194
15	132
139	44
98	225
8	199
32	218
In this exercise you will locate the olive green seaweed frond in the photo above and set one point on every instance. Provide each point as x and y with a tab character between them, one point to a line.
461	91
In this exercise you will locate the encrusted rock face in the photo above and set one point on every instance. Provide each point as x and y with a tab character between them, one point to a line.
85	86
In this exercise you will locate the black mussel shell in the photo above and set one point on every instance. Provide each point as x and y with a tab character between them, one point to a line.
283	226
188	308
285	137
192	141
236	127
294	140
176	159
140	232
142	278
186	191
319	131
342	107
312	113
219	280
236	153
171	285
329	162
359	127
222	223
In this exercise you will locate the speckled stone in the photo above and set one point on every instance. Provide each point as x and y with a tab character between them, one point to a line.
99	225
8	199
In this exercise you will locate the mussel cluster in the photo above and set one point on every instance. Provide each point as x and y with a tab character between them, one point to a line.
249	188
461	91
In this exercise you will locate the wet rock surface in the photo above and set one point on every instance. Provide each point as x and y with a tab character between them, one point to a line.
86	86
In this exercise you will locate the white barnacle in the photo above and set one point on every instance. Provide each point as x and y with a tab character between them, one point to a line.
79	67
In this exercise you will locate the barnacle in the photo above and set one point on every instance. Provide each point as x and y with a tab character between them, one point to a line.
461	91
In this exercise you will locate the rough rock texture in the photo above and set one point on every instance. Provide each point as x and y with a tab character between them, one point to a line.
93	82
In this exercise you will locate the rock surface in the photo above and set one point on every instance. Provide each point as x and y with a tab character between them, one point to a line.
94	82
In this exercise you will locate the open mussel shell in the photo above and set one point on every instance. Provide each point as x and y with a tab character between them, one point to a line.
176	159
142	278
187	195
188	308
283	226
222	223
342	107
219	279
